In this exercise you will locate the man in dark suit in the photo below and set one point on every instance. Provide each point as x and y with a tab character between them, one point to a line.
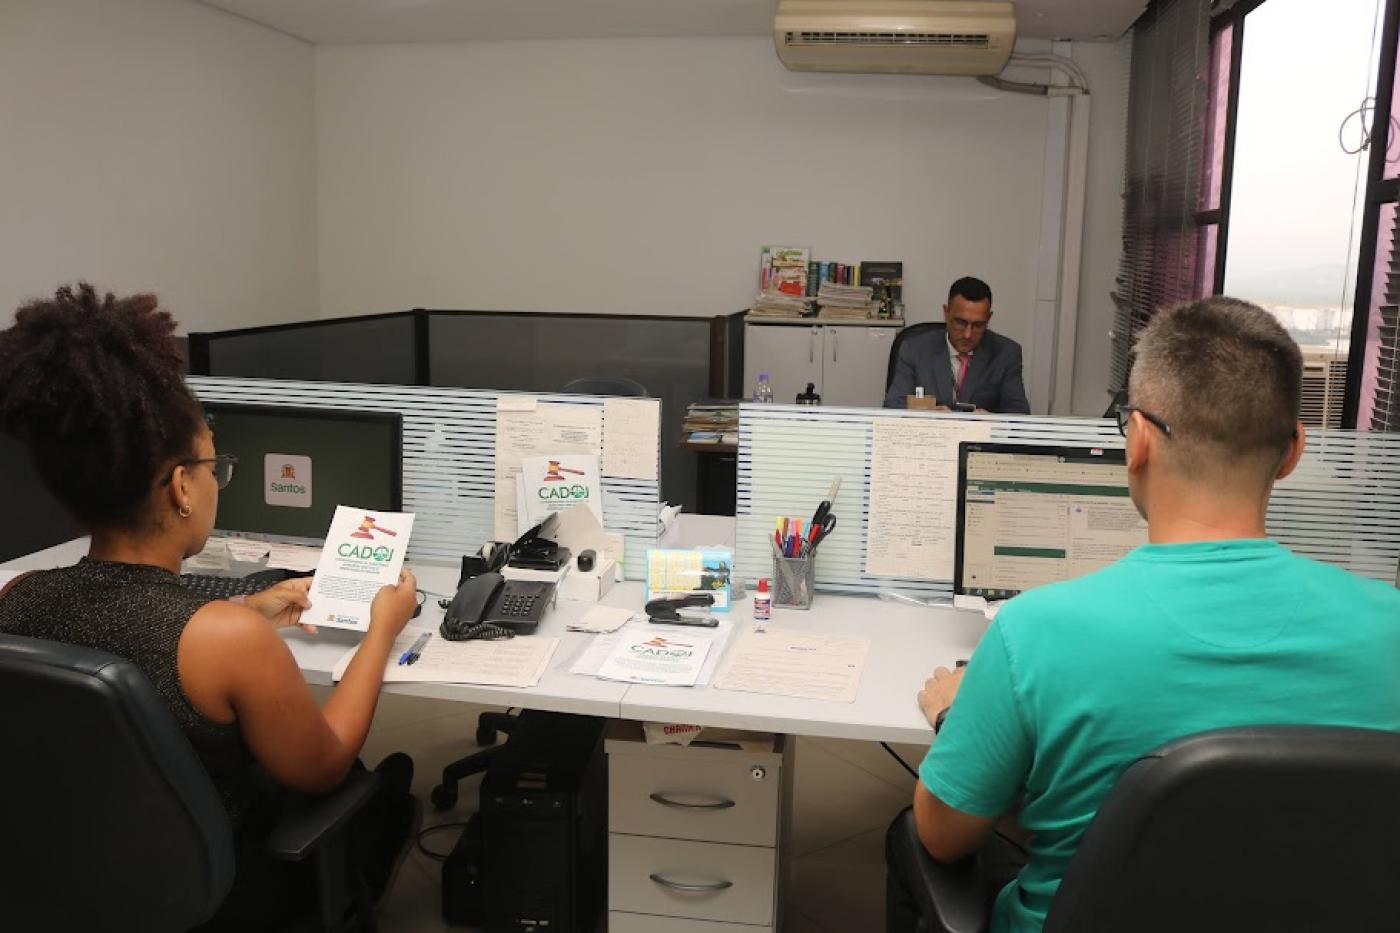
960	360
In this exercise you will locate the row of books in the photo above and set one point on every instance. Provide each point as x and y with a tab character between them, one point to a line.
711	423
791	284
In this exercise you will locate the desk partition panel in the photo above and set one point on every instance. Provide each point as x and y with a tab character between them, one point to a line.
449	438
540	352
376	348
678	360
1341	505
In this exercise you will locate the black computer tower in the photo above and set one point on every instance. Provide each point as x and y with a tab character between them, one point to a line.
545	827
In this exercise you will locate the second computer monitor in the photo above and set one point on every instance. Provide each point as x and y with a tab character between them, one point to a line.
1029	515
295	465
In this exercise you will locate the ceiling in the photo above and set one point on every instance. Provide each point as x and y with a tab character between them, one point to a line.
334	22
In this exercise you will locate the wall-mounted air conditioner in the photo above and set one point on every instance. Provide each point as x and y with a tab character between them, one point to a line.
936	37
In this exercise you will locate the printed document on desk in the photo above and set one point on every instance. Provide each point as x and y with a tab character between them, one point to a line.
364	551
590	661
664	657
796	664
510	662
914	495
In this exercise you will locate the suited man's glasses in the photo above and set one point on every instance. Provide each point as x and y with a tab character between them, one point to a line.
958	323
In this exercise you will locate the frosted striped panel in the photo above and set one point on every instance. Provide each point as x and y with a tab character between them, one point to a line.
449	455
1341	506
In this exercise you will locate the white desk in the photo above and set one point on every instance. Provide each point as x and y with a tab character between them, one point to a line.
906	644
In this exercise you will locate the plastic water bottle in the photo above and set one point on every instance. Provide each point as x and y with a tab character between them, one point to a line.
763	389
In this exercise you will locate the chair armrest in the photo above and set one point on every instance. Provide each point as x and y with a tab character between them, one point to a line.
951	896
308	824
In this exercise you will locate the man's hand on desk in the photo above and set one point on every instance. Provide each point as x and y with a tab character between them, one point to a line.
283	603
939	691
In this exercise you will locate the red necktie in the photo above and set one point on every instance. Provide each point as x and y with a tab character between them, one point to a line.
964	359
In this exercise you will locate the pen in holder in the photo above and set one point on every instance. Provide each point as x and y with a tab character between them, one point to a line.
793	581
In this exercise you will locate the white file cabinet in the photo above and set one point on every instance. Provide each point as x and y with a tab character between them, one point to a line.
846	361
696	835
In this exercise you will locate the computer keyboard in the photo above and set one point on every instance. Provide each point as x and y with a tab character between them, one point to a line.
212	586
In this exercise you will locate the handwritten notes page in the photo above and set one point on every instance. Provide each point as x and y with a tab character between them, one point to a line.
914	495
524	430
796	664
631	427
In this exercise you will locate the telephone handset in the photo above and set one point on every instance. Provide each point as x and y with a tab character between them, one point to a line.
513	605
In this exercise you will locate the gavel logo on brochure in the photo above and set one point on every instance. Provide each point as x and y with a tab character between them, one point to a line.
368	529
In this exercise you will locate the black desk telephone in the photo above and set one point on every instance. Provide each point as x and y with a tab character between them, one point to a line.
489	606
511	607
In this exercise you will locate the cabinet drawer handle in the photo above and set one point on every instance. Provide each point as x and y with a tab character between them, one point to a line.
718	804
690	888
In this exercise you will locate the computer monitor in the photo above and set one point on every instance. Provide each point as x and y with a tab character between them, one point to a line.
1030	514
295	465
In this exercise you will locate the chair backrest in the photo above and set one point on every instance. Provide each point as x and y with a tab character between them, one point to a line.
904	334
109	819
1278	828
607	385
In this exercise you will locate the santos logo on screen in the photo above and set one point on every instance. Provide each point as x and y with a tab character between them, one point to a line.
287	480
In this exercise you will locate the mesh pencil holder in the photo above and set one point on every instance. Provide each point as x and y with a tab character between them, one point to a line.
793	582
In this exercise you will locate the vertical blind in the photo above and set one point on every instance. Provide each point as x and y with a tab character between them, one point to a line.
1385	397
1167	107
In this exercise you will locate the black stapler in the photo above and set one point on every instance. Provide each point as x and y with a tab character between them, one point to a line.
667	610
534	551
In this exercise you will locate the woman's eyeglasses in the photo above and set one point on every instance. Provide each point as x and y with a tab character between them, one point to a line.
222	466
1125	412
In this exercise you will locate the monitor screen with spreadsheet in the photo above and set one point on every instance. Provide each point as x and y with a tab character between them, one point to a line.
1030	514
295	465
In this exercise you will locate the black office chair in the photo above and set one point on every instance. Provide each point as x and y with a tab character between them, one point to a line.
1278	828
111	822
904	334
607	385
488	725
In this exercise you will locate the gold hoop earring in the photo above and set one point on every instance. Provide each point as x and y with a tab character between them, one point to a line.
185	511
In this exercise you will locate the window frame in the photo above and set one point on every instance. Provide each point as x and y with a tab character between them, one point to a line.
1379	192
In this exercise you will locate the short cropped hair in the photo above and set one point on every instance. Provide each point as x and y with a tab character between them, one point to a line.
971	289
1228	379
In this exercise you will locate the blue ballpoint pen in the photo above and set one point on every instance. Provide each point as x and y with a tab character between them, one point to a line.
411	655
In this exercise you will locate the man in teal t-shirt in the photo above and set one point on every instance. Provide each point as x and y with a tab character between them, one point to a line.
1210	625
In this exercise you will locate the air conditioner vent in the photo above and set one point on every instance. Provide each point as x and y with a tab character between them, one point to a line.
925	37
932	39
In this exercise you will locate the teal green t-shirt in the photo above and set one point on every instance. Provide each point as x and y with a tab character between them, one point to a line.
1075	680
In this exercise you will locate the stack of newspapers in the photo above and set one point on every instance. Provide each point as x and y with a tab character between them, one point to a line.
847	302
779	304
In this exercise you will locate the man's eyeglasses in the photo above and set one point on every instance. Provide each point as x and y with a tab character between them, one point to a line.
1125	412
222	465
958	323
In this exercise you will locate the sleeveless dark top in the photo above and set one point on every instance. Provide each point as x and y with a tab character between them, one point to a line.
136	612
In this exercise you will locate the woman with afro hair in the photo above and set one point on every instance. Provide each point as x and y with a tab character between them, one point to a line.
94	386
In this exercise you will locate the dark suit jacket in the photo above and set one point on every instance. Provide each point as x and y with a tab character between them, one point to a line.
993	375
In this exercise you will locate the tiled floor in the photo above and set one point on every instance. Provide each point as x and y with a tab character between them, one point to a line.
846	794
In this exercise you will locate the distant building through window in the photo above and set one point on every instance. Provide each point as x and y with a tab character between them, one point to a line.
1306	73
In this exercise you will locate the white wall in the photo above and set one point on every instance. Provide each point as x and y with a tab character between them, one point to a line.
642	176
157	145
1106	65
